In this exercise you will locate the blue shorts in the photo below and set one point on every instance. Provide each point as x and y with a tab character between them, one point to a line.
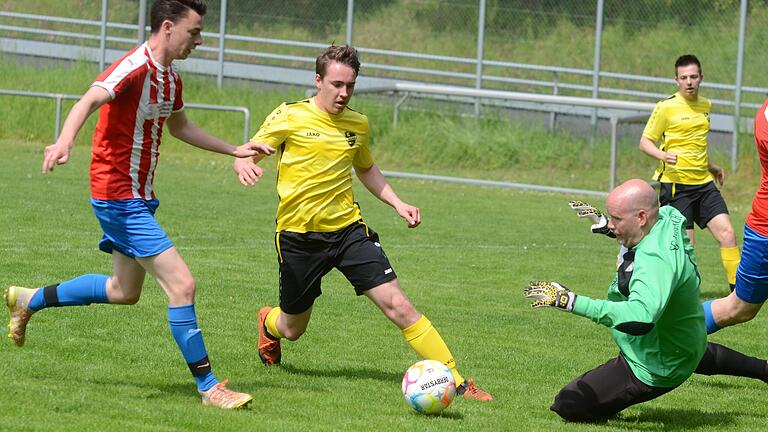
752	274
130	227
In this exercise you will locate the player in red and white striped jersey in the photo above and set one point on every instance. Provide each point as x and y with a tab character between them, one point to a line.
144	95
136	96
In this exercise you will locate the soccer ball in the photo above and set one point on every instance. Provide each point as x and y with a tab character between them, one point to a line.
429	387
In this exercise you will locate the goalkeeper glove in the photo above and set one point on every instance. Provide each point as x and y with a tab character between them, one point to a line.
598	219
550	294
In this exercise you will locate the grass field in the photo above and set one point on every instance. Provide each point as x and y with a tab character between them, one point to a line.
117	368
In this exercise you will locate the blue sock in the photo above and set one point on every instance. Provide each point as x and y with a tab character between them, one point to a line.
190	341
709	320
80	291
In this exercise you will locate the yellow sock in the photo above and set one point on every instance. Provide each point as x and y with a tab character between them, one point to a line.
270	322
731	258
427	342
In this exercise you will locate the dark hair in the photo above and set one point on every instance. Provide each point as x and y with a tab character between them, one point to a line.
687	60
345	55
173	11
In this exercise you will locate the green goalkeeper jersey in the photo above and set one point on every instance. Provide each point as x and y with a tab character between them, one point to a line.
653	307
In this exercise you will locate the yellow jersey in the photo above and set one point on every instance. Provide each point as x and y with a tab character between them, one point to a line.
315	155
681	127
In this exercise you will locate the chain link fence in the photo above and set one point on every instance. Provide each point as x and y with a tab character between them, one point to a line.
542	46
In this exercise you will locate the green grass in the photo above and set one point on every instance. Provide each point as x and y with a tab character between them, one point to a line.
100	367
117	367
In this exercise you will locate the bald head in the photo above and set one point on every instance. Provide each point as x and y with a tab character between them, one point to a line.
635	194
633	208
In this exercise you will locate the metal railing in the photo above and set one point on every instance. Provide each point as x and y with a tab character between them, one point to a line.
60	97
622	112
555	84
476	79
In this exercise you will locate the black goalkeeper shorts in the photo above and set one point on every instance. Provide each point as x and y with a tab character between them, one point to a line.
698	203
306	257
603	392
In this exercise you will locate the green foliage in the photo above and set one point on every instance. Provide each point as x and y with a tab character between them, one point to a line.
318	17
433	140
539	17
117	10
639	37
682	12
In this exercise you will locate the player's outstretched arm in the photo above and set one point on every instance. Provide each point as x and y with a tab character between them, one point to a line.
550	294
183	129
377	184
592	214
58	152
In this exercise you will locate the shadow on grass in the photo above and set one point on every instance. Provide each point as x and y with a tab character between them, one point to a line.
672	419
188	389
448	414
713	293
706	381
357	372
159	390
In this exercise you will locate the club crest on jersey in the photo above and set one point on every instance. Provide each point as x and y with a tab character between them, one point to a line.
351	138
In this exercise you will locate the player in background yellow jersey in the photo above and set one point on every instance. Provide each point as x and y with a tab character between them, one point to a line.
680	125
319	225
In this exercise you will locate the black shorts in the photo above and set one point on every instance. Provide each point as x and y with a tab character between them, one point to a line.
603	392
306	257
698	203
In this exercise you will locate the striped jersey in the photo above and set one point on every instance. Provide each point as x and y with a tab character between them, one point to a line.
316	152
681	127
757	218
127	137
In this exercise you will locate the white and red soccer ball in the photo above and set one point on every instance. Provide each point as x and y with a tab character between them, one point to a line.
429	387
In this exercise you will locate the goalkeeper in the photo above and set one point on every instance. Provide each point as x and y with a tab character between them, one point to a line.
652	309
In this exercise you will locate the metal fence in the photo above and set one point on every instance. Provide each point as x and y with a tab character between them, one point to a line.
59	98
443	40
588	48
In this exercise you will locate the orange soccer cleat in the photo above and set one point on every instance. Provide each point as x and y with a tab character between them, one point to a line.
222	397
269	347
469	391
